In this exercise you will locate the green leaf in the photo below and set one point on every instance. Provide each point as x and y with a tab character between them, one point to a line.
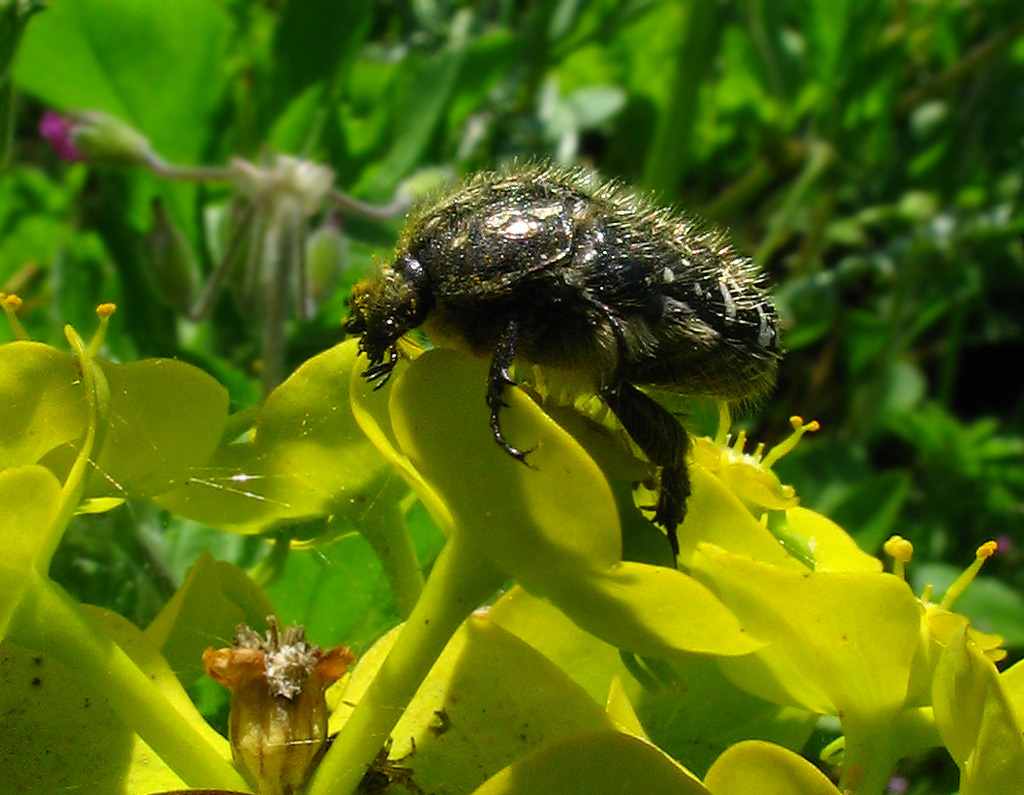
650	610
553	525
839	642
418	111
60	736
165	418
158	66
205	611
306	458
311	40
30	498
495	693
976	720
766	769
872	507
695	716
44	403
594	105
14	14
518	516
604	763
86	695
666	161
340	592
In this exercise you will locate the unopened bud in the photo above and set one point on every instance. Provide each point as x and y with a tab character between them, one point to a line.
326	251
278	720
172	261
97	137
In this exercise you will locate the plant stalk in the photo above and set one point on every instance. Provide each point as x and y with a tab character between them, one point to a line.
458	584
52	621
869	758
384	528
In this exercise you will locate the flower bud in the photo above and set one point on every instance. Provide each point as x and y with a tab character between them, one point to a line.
172	261
326	250
278	720
97	137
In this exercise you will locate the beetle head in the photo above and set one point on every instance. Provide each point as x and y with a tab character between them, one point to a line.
384	307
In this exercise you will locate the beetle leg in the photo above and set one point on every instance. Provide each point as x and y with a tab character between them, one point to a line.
615	324
665	442
499	378
380	372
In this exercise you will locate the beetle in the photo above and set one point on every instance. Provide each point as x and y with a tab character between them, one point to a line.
552	265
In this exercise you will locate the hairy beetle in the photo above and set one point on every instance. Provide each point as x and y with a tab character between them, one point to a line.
551	265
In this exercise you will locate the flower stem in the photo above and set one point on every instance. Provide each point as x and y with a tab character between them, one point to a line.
458	584
868	759
375	212
189	174
51	621
383	526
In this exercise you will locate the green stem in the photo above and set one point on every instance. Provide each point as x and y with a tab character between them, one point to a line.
383	526
820	157
53	622
6	121
869	757
667	156
458	584
982	54
375	212
189	173
96	393
915	730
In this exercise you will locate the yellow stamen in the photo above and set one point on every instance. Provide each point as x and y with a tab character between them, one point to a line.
787	445
724	423
984	552
901	551
103	312
11	305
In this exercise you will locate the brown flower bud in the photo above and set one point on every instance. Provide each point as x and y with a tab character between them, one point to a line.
278	721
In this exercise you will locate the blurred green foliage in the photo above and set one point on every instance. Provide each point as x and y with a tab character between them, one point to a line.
869	154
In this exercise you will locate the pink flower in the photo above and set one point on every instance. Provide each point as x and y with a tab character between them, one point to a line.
58	130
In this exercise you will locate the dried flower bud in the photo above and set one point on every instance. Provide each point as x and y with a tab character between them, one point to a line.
278	720
284	175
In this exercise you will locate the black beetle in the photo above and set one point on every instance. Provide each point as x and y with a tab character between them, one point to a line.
551	265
